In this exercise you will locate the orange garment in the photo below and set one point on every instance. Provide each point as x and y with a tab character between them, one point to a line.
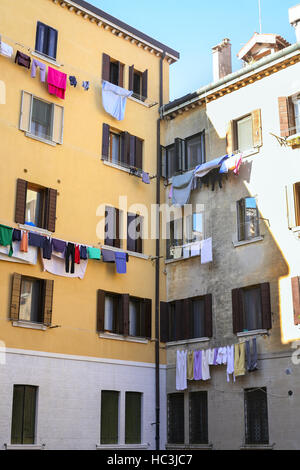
24	242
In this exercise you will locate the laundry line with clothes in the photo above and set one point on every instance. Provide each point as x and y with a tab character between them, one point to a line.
210	172
190	250
195	365
59	257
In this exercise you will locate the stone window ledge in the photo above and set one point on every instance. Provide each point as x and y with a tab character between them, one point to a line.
122	446
257	447
32	228
130	339
40	139
29	324
189	446
252	333
187	341
45	58
248	242
24	446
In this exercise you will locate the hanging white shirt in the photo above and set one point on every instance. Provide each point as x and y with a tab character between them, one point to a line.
205	365
230	362
6	50
206	251
181	370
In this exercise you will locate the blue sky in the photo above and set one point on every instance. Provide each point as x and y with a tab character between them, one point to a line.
193	27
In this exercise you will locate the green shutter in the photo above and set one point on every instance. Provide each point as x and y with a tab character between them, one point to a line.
109	417
133	403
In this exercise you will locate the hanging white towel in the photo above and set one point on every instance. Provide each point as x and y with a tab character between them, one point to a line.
211	356
222	356
114	99
206	251
56	265
6	50
230	362
205	365
181	370
30	257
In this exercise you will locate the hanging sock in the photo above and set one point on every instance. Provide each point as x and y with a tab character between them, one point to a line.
145	177
86	85
73	81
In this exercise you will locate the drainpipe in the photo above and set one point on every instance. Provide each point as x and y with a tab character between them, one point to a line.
157	292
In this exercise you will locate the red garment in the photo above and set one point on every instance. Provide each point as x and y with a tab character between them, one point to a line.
77	254
57	83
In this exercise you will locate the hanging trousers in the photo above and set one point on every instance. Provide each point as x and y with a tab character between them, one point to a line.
70	251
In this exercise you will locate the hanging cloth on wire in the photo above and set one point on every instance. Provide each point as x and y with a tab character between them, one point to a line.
114	99
57	83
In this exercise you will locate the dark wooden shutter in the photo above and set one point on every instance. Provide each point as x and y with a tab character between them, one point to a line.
256	128
51	209
100	310
208	316
286	116
145	85
131	242
48	301
266	306
132	150
230	138
164	322
138	153
178	155
109	235
147	315
139	231
15	296
296	299
117	241
121	75
105	141
125	314
20	201
187	319
130	81
237	310
105	67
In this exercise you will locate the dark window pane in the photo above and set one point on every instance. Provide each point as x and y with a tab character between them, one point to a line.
109	417
252	309
136	319
256	416
176	418
198	418
248	219
41	119
113	314
195	153
133	404
23	415
114	73
198	319
137	83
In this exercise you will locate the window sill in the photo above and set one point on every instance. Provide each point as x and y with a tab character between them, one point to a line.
40	139
257	447
130	339
249	152
24	446
130	253
189	446
132	98
252	333
45	58
122	446
31	228
248	242
187	341
169	261
29	324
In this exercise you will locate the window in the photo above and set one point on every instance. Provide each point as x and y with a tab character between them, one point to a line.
295	282
31	299
122	148
289	115
35	205
297	203
176	418
41	119
183	232
244	133
198	418
23	414
46	40
112	70
251	308
123	314
113	220
195	151
133	417
175	234
138	83
113	318
135	233
248	219
256	416
109	417
186	319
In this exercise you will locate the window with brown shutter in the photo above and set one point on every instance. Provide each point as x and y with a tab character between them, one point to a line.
105	142
105	67
48	301
135	233
112	236
112	70
100	310
244	133
295	281
35	205
286	116
15	296
138	83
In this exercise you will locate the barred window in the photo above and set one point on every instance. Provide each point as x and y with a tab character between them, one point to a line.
256	416
176	418
198	418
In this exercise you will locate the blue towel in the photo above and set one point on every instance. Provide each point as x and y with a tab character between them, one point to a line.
182	186
120	259
145	178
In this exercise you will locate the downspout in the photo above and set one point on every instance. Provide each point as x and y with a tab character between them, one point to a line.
157	290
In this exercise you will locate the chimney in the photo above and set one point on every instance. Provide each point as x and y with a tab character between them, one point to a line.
294	18
222	59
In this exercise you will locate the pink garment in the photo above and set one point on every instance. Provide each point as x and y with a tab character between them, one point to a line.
57	83
237	166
